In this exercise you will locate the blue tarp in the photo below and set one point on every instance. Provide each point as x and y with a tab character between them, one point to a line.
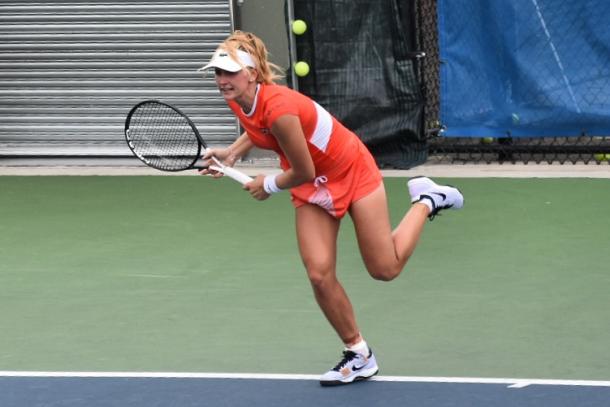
524	67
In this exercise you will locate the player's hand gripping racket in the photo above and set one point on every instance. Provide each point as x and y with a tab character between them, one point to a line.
163	137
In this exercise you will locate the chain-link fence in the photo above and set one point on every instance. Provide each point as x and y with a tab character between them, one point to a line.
560	83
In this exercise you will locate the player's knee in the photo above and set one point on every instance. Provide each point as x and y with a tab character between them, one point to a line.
384	273
318	281
320	273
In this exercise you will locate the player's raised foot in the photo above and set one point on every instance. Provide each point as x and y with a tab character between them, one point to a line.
419	185
352	367
439	196
443	197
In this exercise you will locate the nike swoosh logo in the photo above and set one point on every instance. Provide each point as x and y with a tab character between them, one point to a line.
355	369
441	195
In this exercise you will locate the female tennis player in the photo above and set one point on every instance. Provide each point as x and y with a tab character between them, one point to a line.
329	173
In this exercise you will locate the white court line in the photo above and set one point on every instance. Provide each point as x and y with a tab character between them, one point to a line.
512	383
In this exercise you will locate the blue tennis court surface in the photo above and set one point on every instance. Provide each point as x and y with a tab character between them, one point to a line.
18	389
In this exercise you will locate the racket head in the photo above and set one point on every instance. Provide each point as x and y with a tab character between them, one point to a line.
162	136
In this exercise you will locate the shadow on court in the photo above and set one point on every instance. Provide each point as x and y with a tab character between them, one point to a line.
151	392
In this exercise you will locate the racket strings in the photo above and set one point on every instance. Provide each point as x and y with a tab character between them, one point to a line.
163	138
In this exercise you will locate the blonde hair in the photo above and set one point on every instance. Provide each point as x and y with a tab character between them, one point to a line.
250	43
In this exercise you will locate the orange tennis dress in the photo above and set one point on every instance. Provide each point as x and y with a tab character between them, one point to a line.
345	169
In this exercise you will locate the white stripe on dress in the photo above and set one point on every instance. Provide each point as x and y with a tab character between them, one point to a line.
323	130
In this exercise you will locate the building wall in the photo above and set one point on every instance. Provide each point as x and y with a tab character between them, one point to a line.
266	19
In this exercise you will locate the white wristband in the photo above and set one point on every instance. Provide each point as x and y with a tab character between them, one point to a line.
270	186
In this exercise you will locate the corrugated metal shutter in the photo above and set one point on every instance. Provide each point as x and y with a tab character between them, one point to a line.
70	71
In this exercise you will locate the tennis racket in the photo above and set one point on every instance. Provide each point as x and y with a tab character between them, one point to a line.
164	138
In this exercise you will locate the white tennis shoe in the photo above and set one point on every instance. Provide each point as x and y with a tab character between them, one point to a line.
353	367
441	196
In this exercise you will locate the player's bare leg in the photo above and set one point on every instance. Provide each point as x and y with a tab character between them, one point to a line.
317	238
317	235
386	252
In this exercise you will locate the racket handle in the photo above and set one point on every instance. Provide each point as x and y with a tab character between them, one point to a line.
233	173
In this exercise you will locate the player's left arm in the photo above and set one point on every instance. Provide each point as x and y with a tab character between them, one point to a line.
288	132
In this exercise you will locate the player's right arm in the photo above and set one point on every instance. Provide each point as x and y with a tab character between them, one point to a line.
240	147
229	155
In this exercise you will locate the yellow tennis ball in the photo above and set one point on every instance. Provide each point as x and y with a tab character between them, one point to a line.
301	68
299	27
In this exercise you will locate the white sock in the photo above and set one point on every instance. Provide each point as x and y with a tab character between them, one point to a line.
360	347
428	202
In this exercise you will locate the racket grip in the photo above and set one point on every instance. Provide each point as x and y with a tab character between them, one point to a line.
237	175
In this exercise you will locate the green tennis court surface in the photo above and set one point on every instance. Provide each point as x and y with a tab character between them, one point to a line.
187	274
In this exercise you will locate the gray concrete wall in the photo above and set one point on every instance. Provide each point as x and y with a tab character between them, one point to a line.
266	19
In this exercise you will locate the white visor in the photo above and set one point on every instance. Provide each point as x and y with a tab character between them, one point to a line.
222	59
